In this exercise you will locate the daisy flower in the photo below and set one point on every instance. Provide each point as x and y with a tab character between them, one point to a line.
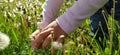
4	41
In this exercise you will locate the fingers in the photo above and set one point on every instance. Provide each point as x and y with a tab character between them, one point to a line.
61	38
36	32
55	44
33	35
51	25
47	41
40	38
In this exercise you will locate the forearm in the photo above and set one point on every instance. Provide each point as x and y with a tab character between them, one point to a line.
74	16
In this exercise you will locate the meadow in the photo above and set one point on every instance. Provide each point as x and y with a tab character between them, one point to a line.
18	19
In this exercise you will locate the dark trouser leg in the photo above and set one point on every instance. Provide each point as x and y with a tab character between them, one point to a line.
99	25
95	20
117	18
98	18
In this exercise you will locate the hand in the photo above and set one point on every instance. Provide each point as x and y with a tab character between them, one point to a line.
44	38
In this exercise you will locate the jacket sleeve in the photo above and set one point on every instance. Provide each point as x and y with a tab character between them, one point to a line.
75	15
50	11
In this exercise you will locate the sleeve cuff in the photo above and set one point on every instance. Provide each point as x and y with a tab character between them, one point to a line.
65	27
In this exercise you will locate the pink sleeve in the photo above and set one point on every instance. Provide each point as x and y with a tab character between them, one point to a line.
75	15
50	11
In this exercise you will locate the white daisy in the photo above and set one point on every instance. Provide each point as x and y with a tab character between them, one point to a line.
57	45
4	41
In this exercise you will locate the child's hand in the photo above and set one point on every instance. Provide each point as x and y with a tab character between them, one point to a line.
44	38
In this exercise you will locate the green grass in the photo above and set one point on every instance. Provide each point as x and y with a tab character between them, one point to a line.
18	27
